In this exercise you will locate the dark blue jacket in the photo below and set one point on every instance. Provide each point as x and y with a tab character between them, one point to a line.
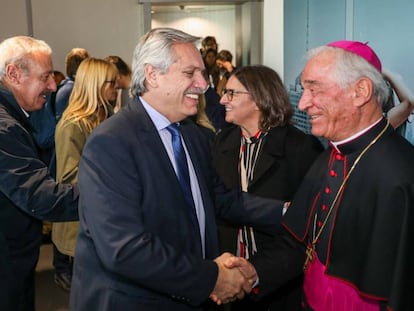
138	248
28	195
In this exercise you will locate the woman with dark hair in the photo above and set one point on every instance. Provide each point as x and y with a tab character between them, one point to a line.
266	156
212	71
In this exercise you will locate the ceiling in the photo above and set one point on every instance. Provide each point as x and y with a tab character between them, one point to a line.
168	6
188	8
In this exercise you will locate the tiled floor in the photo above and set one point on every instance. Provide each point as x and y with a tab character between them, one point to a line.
49	297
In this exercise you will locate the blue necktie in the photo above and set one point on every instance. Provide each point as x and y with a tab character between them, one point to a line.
184	178
181	163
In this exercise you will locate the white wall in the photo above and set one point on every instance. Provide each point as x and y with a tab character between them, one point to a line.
273	35
237	28
217	21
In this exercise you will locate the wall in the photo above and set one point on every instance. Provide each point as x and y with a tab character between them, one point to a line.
13	21
385	25
217	21
237	28
107	27
290	29
104	27
273	35
389	29
309	24
251	34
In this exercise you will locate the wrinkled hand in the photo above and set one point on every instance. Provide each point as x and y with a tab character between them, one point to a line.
235	278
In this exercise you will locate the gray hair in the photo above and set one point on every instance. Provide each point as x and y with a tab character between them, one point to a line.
350	67
18	50
154	48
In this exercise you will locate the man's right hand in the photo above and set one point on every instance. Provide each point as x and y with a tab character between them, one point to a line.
231	284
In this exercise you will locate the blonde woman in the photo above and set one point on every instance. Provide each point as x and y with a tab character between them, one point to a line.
89	105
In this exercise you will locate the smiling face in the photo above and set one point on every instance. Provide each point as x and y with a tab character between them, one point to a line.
31	85
241	109
330	107
175	93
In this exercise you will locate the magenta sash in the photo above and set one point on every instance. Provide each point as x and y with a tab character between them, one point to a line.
325	293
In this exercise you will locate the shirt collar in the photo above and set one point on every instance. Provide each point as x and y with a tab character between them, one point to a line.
159	120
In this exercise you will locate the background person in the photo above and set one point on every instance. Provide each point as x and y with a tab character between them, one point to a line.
72	61
58	76
61	262
213	109
28	194
89	105
123	82
264	155
399	114
224	63
48	149
208	42
212	70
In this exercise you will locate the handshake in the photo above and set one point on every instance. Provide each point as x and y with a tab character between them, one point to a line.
235	278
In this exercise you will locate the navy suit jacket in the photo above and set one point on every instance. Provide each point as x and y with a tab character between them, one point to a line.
28	195
138	248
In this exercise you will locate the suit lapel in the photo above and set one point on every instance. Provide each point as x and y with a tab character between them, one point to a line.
149	137
229	154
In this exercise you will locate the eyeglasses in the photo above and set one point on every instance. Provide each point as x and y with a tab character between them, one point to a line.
111	82
230	93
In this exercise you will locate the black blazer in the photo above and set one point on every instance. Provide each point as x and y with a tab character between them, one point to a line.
286	155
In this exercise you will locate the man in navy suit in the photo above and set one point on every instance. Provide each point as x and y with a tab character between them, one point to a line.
142	245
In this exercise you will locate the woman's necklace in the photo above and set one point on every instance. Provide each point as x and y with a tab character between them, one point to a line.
310	249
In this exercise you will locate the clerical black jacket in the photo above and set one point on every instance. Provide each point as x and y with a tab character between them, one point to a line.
369	239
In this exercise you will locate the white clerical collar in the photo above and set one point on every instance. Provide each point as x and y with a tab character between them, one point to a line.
360	133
